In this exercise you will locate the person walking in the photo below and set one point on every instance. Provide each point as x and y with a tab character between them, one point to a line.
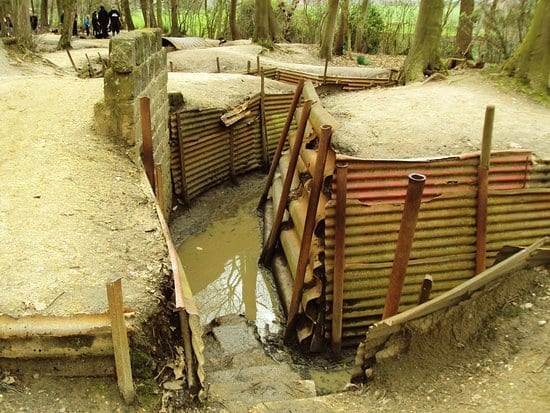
114	17
103	18
96	28
87	25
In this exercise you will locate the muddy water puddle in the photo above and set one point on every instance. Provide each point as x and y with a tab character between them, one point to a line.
221	265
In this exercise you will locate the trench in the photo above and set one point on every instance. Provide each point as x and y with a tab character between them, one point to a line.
221	242
226	278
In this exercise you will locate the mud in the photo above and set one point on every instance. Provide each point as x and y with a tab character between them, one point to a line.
221	264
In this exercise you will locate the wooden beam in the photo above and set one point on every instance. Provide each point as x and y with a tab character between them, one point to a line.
121	348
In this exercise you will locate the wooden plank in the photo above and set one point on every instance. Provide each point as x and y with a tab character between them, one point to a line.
121	348
393	324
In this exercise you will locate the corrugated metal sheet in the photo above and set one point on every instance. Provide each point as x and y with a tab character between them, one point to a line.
445	238
383	180
346	82
202	145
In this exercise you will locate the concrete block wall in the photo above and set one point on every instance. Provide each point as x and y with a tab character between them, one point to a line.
137	68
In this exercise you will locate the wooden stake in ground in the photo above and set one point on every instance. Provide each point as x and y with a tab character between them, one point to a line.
120	341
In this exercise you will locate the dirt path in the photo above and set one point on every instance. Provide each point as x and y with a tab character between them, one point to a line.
437	118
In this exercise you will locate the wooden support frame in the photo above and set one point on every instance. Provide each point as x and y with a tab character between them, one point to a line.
121	348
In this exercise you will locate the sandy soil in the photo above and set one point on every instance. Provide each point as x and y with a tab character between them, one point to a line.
436	118
53	161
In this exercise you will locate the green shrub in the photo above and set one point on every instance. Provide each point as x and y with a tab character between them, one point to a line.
362	60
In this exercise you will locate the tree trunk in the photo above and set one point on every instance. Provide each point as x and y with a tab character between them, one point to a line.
329	28
265	24
363	16
21	23
531	60
3	13
160	21
152	19
220	6
465	29
127	15
145	11
273	25
175	28
423	58
44	14
235	33
59	7
342	28
69	11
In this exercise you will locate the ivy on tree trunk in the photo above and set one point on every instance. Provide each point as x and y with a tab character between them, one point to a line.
531	60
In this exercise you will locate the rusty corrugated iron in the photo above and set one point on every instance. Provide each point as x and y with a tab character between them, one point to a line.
382	180
444	246
202	147
345	82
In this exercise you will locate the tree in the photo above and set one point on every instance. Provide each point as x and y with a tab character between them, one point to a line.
235	33
4	11
423	57
531	60
127	14
44	13
363	15
21	23
160	21
465	29
343	29
174	29
327	37
68	8
265	25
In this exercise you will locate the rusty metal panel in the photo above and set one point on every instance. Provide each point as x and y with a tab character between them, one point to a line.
385	180
445	237
200	143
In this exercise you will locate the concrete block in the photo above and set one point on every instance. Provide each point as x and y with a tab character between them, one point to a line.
121	86
122	54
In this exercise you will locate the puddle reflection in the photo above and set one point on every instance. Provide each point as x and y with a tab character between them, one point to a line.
221	265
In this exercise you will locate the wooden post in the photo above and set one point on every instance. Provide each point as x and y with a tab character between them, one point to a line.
90	69
171	66
425	289
309	226
248	66
218	65
282	140
269	247
258	64
120	341
483	189
404	244
263	129
147	153
339	257
72	61
325	72
158	185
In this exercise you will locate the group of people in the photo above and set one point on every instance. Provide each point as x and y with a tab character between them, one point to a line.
103	22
